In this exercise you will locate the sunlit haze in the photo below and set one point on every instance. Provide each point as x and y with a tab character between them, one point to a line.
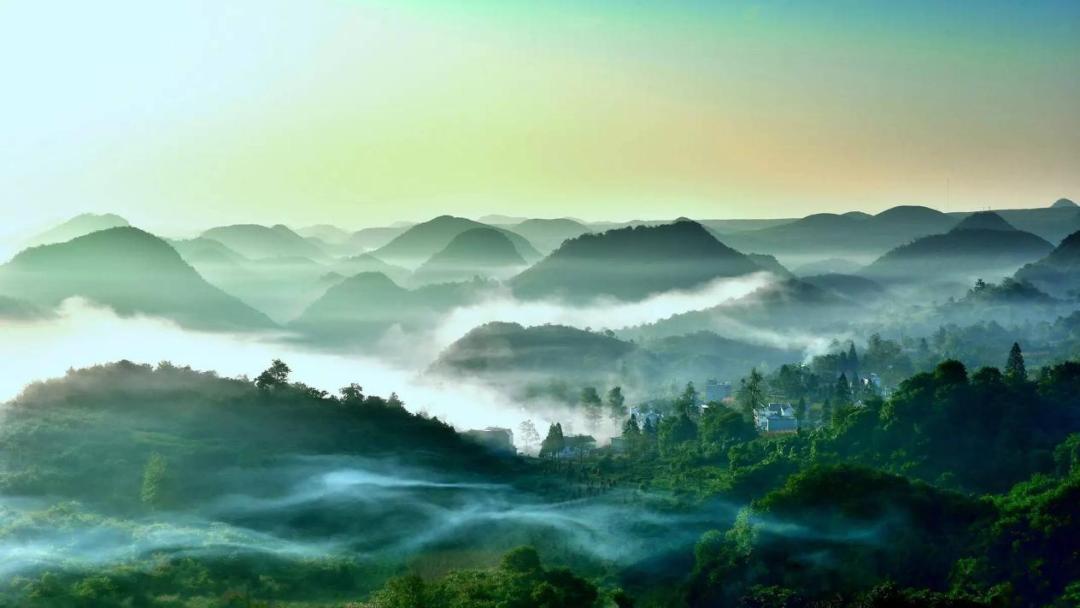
364	112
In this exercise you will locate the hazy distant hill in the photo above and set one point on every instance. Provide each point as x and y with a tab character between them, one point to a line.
724	227
1059	272
704	355
76	227
959	254
632	263
364	306
325	232
791	305
366	262
1052	223
13	309
828	266
202	250
417	244
255	241
848	286
373	238
1064	203
497	349
548	235
826	235
770	263
129	270
483	252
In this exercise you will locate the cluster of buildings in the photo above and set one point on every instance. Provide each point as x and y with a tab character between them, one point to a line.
776	418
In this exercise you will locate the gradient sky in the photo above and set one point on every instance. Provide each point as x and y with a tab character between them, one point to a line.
184	114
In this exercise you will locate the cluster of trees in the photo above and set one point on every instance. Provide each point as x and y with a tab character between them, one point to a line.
959	489
520	580
612	406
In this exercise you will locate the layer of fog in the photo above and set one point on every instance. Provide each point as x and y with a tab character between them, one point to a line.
83	335
367	511
601	313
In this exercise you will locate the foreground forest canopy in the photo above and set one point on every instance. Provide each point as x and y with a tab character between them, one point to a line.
163	486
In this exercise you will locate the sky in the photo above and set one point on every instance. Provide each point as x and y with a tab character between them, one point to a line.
183	115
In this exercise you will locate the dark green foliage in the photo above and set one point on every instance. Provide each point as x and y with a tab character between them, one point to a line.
837	530
519	582
509	348
554	442
1015	370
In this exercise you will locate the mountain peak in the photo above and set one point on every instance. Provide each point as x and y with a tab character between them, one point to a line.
1063	203
129	270
984	220
631	263
81	224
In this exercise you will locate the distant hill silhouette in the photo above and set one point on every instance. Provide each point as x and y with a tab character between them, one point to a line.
632	263
130	271
853	234
365	262
256	241
958	254
1064	203
202	250
369	239
366	305
848	286
548	235
1059	272
1052	223
484	252
325	232
417	244
77	226
984	220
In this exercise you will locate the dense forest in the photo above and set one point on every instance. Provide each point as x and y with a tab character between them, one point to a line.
958	489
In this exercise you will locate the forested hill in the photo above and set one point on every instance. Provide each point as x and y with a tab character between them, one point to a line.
632	263
129	270
117	417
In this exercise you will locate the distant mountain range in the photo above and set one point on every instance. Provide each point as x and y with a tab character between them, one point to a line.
855	235
418	243
632	263
130	271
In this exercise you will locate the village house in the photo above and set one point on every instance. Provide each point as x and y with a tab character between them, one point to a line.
776	418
